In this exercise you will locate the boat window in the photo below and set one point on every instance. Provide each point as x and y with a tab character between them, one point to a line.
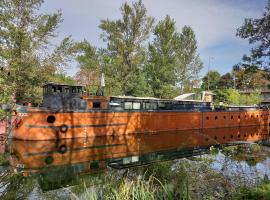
67	90
154	106
128	105
73	89
53	88
147	106
161	105
136	105
59	89
96	104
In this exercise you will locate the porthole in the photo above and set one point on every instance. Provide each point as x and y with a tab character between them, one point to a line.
238	136
238	116
231	117
224	117
51	119
207	118
261	116
257	116
251	116
251	134
231	136
216	117
206	139
215	137
245	135
245	116
224	137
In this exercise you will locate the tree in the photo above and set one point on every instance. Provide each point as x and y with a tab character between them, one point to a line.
189	64
162	59
211	80
226	81
90	69
24	37
63	79
173	60
247	78
125	56
257	32
234	97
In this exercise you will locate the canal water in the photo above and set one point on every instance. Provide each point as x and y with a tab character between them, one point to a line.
182	164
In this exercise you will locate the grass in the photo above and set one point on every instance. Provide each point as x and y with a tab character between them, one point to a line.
262	191
3	161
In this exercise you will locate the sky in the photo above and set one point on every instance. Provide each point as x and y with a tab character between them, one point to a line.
214	21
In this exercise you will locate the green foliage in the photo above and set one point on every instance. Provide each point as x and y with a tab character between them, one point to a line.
188	62
162	59
257	32
233	97
262	191
125	38
226	81
62	78
25	35
3	160
211	80
251	78
173	62
89	73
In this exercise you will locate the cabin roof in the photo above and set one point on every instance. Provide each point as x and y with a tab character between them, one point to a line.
132	97
60	84
153	98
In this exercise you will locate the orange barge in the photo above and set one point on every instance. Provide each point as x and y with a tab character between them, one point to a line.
68	113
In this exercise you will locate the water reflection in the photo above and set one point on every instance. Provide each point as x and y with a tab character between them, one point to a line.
61	163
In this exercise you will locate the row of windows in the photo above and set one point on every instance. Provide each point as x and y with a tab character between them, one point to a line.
137	106
239	117
159	105
61	89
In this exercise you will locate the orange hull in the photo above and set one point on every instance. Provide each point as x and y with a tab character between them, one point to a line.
35	126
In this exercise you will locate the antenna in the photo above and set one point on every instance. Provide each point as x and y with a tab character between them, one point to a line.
102	80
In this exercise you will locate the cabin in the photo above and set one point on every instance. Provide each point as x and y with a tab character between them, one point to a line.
129	103
62	96
67	97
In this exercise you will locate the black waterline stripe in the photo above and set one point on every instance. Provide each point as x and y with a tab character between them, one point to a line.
75	126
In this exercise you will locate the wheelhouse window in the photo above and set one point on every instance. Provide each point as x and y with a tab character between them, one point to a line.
53	88
73	89
59	89
67	90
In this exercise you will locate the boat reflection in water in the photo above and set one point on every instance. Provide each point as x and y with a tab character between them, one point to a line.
68	158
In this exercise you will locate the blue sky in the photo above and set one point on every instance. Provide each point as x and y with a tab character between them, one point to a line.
214	22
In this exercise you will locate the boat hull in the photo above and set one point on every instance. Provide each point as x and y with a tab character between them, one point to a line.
38	126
